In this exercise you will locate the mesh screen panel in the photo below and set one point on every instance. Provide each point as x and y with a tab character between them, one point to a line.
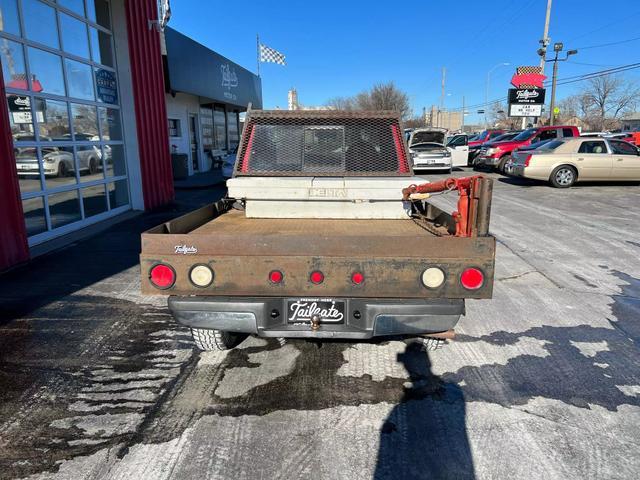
325	143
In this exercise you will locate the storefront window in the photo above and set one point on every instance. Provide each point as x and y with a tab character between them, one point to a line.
10	22
219	128
53	120
101	51
69	151
75	5
98	12
40	23
232	128
74	36
110	127
85	122
13	69
206	128
46	72
79	80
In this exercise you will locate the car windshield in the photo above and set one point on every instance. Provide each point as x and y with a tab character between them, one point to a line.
526	135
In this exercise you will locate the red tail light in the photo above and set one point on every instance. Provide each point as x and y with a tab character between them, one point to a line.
276	276
162	276
527	160
357	278
472	279
316	277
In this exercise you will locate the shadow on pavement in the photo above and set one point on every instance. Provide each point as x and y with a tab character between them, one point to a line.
425	435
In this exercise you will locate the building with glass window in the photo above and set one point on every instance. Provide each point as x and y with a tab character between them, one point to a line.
83	135
206	94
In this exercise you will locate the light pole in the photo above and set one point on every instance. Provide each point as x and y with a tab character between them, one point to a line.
486	93
557	48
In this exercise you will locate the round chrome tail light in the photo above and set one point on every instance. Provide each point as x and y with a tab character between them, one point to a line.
201	275
432	277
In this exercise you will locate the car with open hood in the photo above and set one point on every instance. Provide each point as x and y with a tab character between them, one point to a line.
427	149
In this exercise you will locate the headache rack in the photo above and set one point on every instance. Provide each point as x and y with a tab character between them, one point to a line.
328	143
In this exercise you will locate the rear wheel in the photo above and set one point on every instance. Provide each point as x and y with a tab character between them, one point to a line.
563	176
208	339
93	166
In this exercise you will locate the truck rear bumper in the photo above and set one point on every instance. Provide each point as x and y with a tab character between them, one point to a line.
364	318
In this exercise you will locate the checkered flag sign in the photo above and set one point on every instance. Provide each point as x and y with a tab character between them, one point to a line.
268	54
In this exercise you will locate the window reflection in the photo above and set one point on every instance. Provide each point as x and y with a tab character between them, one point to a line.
13	70
114	159
10	22
64	208
74	36
118	194
53	120
40	23
28	168
59	166
20	118
89	162
79	80
94	200
75	5
46	72
98	12
110	127
101	51
85	122
34	218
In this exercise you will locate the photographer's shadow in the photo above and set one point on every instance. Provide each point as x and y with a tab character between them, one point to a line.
424	436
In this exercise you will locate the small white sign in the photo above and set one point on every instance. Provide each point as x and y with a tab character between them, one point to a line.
525	110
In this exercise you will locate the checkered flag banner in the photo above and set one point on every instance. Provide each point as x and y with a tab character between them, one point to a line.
268	54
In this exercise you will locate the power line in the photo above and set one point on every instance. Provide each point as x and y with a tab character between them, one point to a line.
607	25
561	81
610	44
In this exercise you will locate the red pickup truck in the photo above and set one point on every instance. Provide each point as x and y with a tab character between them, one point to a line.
485	136
499	153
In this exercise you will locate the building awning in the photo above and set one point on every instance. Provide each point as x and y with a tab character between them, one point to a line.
197	70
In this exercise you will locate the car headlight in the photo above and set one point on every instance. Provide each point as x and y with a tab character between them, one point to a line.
447	153
491	151
49	159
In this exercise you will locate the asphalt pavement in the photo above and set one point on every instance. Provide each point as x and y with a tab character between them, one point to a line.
542	382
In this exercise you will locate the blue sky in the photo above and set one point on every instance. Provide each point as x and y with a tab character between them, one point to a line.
339	48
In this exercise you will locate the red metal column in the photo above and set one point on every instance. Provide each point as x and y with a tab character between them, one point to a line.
149	100
13	234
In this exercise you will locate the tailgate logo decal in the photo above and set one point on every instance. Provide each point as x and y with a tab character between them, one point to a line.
304	310
185	250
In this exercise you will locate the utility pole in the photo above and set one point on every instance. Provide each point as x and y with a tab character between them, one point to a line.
463	109
441	111
557	48
545	37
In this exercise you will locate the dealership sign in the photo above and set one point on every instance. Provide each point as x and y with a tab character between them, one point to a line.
527	98
525	110
20	109
106	86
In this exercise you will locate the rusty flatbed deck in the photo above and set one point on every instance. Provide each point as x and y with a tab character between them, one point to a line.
234	222
242	251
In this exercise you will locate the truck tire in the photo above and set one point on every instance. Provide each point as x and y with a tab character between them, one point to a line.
563	176
207	339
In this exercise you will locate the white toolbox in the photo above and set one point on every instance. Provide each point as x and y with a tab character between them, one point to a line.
323	197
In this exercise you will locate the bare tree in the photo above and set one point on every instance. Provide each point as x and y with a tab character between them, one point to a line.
414	122
341	103
609	97
382	96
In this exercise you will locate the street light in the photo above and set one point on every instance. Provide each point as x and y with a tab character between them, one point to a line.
486	94
557	48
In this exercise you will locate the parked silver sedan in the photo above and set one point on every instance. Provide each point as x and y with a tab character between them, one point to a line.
565	162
